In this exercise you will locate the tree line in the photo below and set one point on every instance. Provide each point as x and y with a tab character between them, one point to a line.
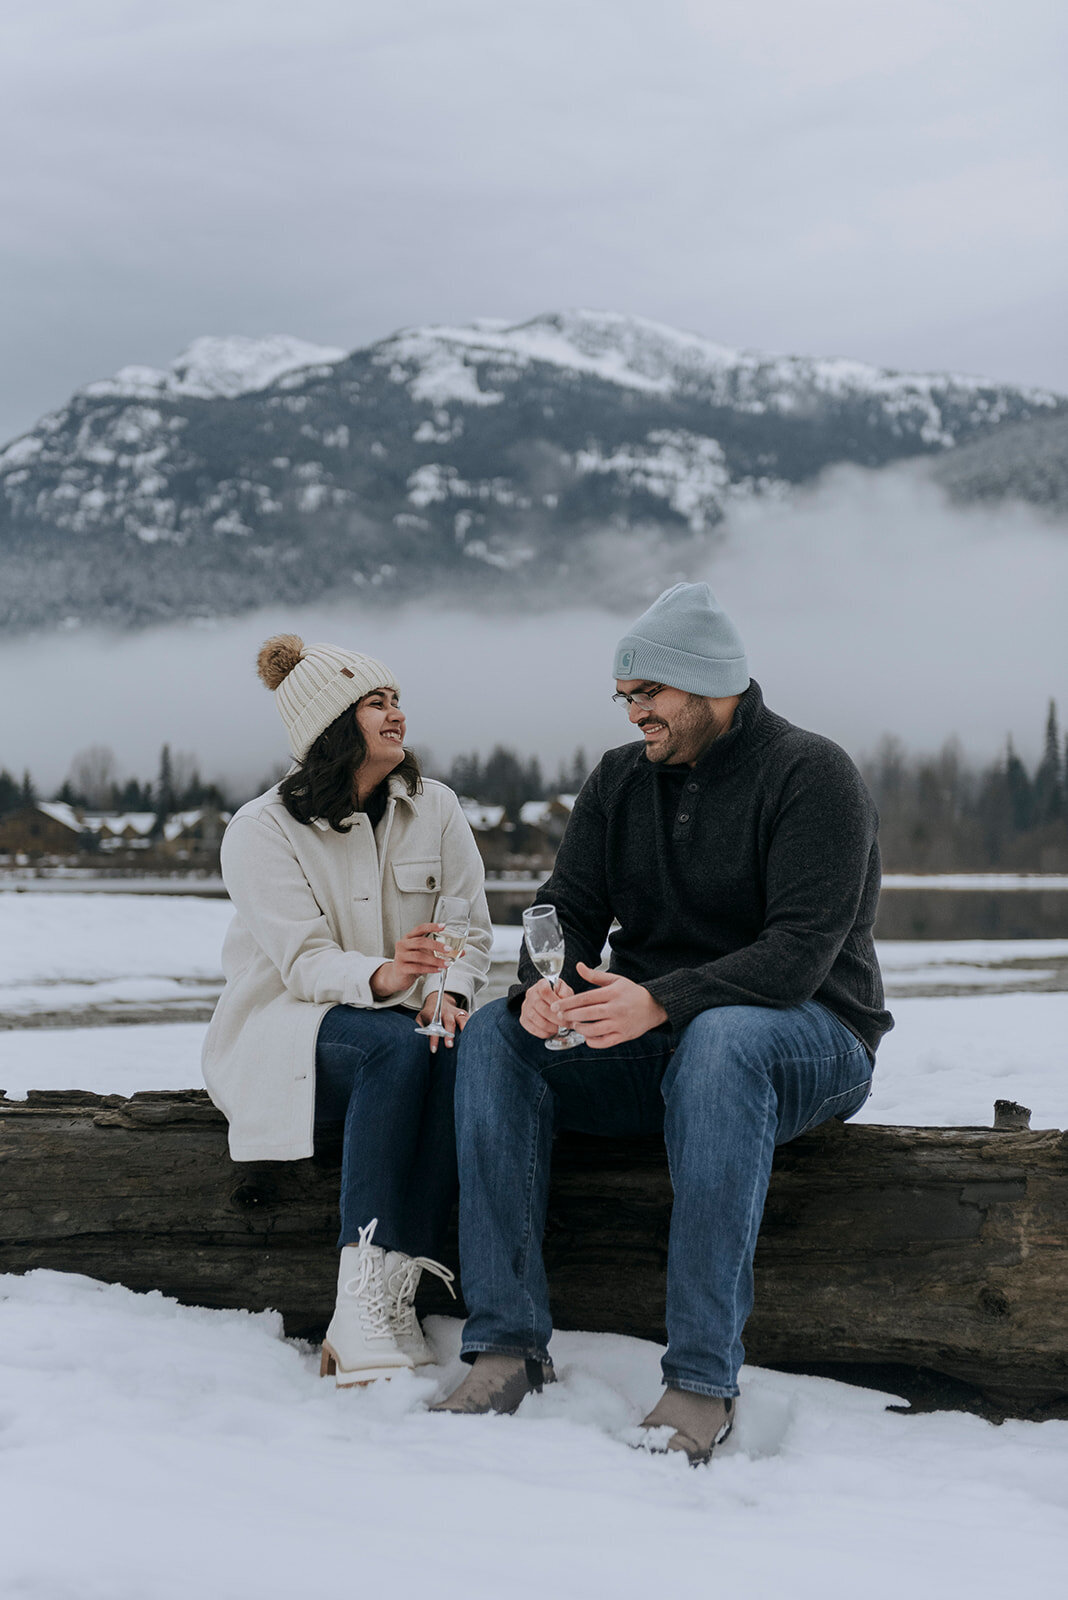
93	784
942	814
939	813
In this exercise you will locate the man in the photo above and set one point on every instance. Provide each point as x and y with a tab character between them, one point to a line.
743	1005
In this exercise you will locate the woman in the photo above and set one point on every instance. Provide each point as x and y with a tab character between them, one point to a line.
334	875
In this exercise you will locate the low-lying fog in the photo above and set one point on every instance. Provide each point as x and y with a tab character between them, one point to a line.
868	605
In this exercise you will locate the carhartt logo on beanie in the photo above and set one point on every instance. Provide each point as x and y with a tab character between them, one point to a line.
686	641
313	684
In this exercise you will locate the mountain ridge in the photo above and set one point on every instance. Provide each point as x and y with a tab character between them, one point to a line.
505	459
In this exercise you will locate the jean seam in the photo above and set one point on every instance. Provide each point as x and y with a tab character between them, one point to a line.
808	1059
528	1229
820	1116
532	1169
745	1255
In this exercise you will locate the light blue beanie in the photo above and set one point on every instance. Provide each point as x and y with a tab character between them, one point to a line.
685	641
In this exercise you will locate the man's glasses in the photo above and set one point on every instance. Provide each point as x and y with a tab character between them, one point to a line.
642	698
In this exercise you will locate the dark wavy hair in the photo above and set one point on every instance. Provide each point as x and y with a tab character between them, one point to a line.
322	785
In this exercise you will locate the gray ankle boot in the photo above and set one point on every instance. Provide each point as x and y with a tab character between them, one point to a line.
699	1422
496	1383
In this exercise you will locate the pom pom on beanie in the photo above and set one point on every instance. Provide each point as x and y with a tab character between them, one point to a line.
278	657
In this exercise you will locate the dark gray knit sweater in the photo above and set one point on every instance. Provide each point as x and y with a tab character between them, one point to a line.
749	879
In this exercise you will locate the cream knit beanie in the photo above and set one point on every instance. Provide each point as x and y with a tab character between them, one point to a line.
313	684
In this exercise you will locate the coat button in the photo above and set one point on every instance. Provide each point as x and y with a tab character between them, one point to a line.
431	883
684	816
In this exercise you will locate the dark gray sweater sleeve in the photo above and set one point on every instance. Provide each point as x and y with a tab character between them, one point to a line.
579	891
822	836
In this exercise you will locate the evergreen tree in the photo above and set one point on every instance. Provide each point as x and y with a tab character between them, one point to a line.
10	793
1048	801
573	774
1021	796
69	795
535	783
993	811
164	798
133	796
28	791
465	775
504	781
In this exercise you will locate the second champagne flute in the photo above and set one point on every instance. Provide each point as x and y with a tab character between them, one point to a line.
455	914
545	944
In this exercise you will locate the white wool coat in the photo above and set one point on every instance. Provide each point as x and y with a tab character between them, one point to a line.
317	912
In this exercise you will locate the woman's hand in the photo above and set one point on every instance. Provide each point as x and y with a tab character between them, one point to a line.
417	954
453	1017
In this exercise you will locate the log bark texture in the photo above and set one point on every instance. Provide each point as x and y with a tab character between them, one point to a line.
937	1248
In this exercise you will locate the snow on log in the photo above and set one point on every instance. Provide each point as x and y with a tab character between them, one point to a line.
943	1249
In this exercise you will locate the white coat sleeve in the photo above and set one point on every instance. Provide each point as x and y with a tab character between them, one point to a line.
463	874
272	896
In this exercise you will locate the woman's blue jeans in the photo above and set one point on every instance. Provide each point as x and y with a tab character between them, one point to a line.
740	1080
377	1079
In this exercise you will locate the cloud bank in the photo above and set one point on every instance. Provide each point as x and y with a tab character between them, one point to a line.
868	605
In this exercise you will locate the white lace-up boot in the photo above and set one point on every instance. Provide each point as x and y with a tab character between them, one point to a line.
360	1345
402	1280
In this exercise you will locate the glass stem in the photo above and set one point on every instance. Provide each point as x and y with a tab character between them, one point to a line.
435	1021
563	1027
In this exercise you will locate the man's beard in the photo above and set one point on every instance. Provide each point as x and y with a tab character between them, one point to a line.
686	737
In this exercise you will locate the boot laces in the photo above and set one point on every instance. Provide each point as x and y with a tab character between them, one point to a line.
404	1283
368	1286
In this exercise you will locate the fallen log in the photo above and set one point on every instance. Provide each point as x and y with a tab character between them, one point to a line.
944	1249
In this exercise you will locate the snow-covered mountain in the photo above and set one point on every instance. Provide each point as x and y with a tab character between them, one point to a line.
1024	461
489	459
213	369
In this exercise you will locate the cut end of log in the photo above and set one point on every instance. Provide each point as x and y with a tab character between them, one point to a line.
1010	1117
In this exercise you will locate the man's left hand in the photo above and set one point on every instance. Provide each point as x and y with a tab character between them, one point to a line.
618	1010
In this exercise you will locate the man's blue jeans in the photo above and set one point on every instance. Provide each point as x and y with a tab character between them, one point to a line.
377	1078
741	1080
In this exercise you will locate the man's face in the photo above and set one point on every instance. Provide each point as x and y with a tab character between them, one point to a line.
678	727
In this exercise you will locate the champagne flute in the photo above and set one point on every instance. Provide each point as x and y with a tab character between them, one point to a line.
545	944
455	915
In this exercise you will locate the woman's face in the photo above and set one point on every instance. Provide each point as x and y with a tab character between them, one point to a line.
381	721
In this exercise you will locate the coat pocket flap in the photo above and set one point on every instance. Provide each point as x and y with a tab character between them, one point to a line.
422	877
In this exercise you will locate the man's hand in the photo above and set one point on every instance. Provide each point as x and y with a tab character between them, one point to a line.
618	1010
536	1016
453	1017
413	957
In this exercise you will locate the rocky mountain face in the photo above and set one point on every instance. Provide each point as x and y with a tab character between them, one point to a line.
496	461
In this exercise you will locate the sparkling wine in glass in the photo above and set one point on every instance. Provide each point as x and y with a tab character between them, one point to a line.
545	946
455	915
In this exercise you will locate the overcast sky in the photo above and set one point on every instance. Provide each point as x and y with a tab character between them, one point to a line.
875	178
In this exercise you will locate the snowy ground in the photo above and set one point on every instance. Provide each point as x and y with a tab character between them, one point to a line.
155	1452
152	1452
